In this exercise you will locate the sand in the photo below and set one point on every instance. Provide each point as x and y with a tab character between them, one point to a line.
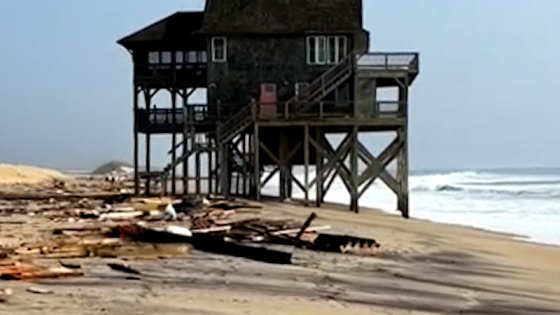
422	268
28	175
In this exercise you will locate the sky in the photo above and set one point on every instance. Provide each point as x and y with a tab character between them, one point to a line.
487	95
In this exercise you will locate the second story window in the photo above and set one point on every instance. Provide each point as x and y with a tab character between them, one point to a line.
166	57
179	57
153	57
219	49
326	50
316	50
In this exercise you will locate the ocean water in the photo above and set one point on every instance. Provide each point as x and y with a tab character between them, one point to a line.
522	202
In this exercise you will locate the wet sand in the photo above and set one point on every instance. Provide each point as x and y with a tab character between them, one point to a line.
425	267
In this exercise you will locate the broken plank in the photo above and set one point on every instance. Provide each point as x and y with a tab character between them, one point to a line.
307	223
212	230
219	245
310	229
123	268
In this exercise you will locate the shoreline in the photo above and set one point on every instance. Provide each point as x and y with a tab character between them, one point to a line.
425	266
517	237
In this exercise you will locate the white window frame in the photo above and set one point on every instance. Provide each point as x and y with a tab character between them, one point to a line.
154	58
192	56
339	55
320	46
332	53
179	57
166	57
214	56
309	48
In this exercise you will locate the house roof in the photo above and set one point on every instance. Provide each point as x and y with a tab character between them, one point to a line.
282	16
173	28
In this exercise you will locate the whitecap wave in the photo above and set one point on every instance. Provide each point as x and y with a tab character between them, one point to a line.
487	183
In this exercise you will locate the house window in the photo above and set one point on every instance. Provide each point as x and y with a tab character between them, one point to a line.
192	57
332	57
317	50
326	50
166	57
153	57
219	49
203	57
311	50
321	50
342	48
179	57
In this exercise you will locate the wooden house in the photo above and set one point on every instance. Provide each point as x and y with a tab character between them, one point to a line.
280	76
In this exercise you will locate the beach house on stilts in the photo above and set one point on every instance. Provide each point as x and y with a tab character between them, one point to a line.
281	77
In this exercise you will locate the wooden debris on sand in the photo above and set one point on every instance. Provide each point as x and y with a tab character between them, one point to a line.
103	227
27	271
123	268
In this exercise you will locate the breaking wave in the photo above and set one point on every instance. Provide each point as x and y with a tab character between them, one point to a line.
489	183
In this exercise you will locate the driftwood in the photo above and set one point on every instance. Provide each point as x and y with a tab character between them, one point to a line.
37	290
204	242
23	271
219	245
212	230
69	265
307	223
123	267
345	244
307	230
107	197
118	216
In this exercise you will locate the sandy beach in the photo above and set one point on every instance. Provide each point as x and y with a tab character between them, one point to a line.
421	268
426	267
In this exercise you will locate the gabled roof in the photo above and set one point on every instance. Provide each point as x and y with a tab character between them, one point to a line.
282	16
173	28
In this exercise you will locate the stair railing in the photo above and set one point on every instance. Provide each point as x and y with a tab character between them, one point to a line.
236	121
319	86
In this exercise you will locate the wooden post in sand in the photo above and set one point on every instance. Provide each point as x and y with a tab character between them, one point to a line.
136	132
148	102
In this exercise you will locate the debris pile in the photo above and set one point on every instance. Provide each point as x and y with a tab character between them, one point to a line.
110	225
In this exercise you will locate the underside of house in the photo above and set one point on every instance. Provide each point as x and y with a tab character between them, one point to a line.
281	78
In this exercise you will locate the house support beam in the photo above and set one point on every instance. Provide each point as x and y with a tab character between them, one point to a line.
402	160
148	101
306	163
136	132
173	142
256	162
283	165
354	169
319	195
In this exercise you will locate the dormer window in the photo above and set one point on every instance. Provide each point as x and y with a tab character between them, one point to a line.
219	49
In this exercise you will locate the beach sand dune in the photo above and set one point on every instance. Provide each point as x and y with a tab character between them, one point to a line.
28	175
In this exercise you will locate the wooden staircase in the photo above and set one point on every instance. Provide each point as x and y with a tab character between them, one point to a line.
197	146
236	124
324	85
317	90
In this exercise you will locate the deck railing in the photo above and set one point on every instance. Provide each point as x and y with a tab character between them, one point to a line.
389	61
199	113
237	121
325	110
192	113
169	72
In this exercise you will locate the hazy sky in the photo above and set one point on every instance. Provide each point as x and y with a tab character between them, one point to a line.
487	95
